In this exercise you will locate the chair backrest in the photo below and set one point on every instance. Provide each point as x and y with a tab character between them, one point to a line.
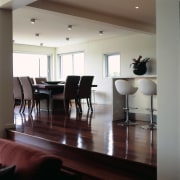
31	80
27	87
85	84
71	87
17	89
124	87
40	80
147	86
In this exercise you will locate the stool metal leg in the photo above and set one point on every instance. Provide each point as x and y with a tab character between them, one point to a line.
127	121
152	125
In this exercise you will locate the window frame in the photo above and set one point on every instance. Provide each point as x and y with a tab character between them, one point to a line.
49	62
60	67
106	64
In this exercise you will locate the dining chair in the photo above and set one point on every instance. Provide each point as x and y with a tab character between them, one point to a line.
17	92
84	91
32	80
30	95
40	80
69	93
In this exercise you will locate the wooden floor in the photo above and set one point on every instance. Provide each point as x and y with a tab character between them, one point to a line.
92	132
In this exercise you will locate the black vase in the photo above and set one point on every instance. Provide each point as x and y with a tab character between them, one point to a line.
140	68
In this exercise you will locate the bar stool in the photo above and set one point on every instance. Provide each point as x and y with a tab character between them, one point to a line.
149	88
123	87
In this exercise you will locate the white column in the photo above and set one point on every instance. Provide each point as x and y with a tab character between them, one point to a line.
168	86
6	72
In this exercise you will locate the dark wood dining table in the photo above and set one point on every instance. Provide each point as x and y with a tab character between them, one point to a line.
51	89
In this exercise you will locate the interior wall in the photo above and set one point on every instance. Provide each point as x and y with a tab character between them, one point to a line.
33	49
129	47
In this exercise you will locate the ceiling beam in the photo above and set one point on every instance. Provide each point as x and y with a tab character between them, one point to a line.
84	13
14	4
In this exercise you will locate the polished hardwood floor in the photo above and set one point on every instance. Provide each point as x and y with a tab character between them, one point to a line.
93	133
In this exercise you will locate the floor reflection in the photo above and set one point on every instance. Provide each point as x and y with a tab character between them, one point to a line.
92	131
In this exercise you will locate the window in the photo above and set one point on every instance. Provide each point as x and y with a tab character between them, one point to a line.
33	65
71	64
112	65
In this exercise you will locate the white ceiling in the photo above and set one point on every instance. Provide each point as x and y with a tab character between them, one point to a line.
117	17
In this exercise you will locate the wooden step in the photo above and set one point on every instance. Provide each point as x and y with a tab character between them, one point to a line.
86	164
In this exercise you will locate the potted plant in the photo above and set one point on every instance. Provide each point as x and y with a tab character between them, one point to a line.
139	65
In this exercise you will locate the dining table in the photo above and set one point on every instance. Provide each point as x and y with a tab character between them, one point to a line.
49	88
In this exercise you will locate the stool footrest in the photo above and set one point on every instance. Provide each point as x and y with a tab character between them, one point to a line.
150	126
130	108
128	123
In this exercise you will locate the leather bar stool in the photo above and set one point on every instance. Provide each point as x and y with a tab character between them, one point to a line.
149	88
124	87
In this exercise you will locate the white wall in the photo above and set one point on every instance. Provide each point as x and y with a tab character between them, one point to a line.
168	59
129	47
33	49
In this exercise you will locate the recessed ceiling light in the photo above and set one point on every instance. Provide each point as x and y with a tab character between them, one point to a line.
136	7
69	27
37	34
33	20
101	33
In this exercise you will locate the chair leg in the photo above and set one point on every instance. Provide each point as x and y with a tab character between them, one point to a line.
14	104
35	102
70	103
79	105
39	105
21	106
66	106
24	106
31	107
48	104
90	104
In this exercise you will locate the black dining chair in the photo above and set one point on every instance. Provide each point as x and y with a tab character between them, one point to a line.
84	91
40	80
69	93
